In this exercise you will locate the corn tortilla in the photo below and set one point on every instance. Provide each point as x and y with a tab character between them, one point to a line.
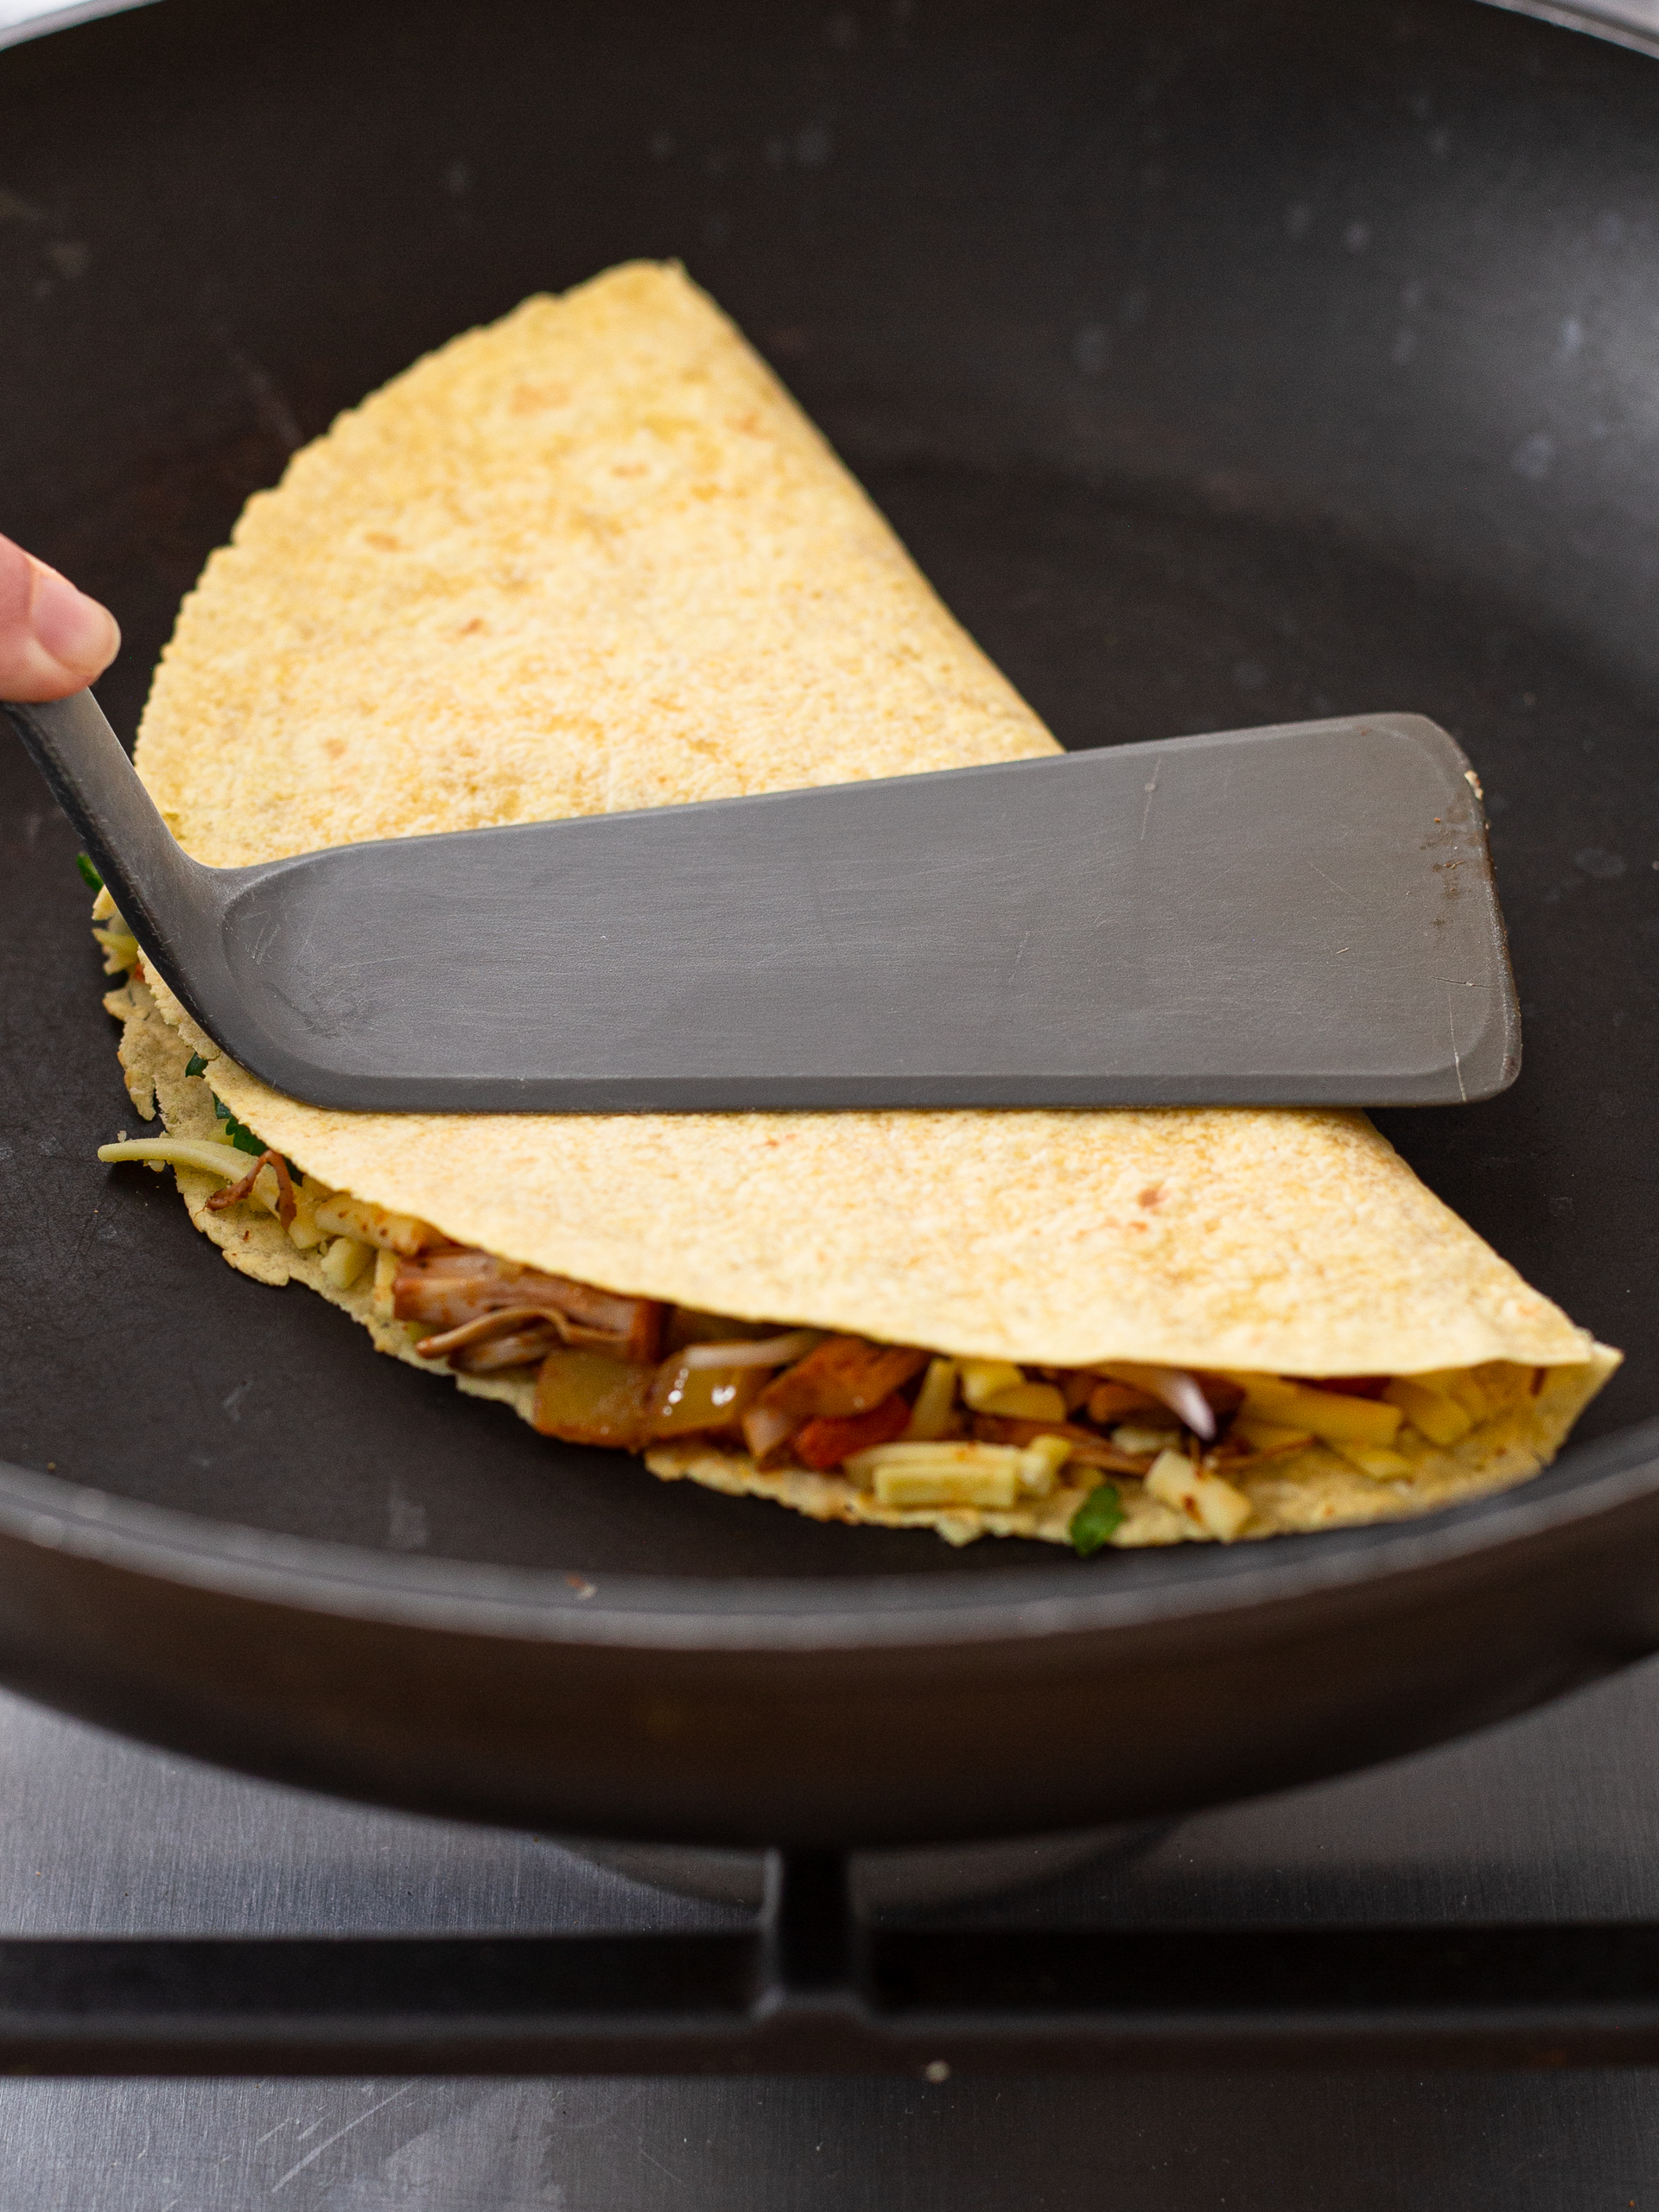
593	557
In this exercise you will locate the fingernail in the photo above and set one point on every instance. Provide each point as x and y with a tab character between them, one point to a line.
76	631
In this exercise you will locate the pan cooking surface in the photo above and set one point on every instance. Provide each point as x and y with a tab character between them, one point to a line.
1201	403
149	1367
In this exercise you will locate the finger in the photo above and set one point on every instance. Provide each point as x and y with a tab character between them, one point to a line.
52	638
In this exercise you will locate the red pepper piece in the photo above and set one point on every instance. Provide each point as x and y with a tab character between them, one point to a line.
827	1442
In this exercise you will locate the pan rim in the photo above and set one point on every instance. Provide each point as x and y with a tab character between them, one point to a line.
50	1513
1603	19
598	1609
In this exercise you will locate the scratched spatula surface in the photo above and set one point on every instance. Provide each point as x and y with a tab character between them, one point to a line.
1300	915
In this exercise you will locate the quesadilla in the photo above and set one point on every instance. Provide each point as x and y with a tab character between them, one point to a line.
593	557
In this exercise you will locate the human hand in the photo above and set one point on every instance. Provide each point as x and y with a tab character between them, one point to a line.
52	638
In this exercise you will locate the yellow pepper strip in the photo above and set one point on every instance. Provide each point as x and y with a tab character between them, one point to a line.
985	1379
931	1416
1441	1419
1027	1402
345	1260
302	1230
199	1154
1328	1415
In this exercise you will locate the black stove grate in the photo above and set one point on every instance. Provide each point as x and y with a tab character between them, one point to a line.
808	1989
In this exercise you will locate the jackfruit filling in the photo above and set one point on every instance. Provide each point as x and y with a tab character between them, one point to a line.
915	1429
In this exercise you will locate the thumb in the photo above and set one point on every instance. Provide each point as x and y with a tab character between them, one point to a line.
52	638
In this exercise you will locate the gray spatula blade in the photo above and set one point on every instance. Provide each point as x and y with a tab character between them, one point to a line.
1300	915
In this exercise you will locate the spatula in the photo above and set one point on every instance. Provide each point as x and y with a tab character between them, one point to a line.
1297	915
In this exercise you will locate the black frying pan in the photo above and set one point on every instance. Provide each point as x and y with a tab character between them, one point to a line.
1243	361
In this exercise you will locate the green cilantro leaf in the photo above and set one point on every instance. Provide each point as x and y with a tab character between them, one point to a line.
1096	1519
238	1133
89	874
196	1065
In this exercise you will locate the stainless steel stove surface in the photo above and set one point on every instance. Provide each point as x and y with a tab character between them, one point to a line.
1553	1817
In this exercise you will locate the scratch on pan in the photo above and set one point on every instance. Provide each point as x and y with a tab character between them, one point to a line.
1341	890
660	2167
1145	812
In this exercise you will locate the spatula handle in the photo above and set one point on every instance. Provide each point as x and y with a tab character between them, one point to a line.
159	889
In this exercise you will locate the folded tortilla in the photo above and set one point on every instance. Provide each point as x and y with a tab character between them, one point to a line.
593	557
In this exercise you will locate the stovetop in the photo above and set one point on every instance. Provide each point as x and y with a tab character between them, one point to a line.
1553	1817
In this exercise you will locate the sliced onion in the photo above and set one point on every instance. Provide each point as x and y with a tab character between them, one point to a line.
750	1351
766	1429
1172	1386
518	1348
479	1331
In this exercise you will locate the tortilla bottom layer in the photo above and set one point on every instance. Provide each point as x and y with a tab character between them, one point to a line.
1314	1489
